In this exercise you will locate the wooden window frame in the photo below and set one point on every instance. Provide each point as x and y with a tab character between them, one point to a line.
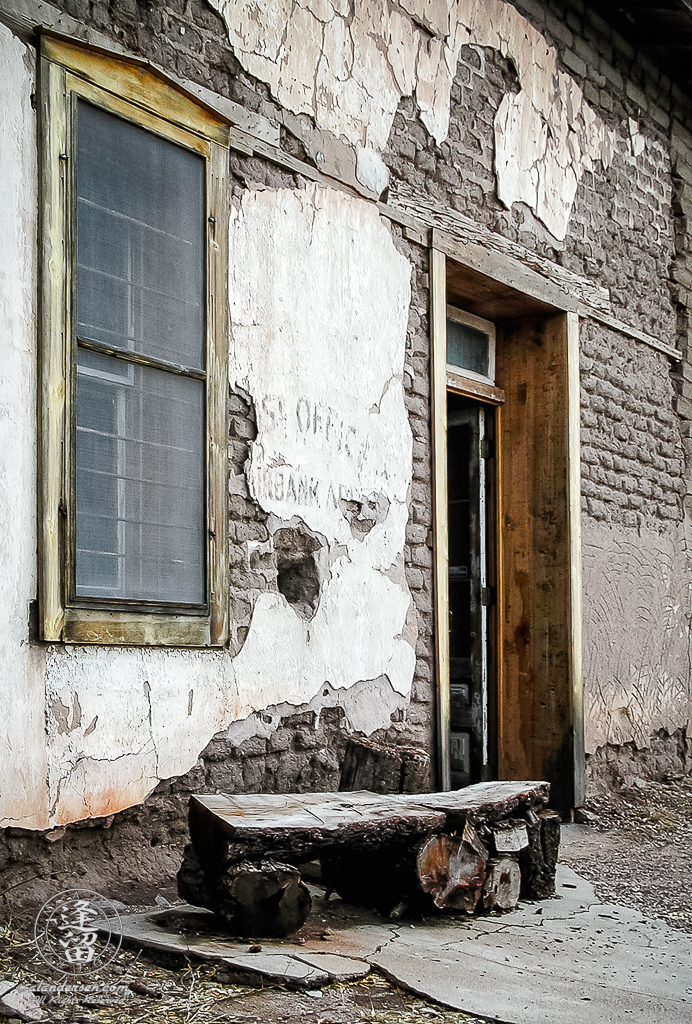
140	94
461	316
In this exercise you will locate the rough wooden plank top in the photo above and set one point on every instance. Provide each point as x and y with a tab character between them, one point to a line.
325	812
487	800
300	826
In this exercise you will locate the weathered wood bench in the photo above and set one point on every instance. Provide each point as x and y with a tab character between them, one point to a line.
455	850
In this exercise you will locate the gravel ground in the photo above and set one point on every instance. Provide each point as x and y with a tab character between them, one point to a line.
637	852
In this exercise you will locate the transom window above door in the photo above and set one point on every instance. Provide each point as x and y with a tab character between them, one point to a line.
470	345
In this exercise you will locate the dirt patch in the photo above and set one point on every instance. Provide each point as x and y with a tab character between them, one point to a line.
141	989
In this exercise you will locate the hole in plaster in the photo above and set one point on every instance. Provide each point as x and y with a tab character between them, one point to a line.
510	75
299	578
291	144
362	516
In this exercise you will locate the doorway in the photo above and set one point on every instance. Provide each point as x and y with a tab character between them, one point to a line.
470	469
509	697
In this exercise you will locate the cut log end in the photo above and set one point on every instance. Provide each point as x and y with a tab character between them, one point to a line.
451	872
502	884
265	899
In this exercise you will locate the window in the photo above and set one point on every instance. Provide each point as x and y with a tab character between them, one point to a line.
470	345
133	342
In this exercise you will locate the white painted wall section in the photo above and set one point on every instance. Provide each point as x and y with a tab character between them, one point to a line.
22	723
319	301
349	72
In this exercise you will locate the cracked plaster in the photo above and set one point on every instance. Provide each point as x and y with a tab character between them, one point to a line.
348	66
321	353
89	731
636	630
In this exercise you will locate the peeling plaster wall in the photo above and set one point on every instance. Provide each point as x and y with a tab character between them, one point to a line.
22	750
637	595
120	720
319	310
348	66
89	731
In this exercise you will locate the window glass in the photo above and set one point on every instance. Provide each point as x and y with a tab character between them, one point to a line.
139	479
140	486
140	240
468	348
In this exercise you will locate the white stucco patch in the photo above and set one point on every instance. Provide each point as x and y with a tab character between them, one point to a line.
319	301
132	725
349	69
22	741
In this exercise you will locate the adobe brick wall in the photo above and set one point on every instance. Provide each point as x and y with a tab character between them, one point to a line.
628	231
633	465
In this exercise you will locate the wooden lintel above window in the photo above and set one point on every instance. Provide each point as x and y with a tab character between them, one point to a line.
474	388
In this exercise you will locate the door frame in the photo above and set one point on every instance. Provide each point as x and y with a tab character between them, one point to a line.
540	697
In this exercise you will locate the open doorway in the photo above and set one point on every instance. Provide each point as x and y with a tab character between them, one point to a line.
506	550
471	489
470	493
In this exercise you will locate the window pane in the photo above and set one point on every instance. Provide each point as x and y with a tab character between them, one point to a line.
139	482
467	347
140	240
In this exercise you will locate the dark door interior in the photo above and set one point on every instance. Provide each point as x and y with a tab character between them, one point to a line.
469	474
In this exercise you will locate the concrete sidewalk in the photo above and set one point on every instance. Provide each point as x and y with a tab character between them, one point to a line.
567	960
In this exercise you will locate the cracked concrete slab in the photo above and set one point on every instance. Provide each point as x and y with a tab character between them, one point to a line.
558	961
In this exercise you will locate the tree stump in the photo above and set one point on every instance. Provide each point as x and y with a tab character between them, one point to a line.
383	768
264	898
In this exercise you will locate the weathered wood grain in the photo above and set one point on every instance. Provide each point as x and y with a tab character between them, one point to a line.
299	827
451	873
509	836
539	859
502	884
384	768
486	801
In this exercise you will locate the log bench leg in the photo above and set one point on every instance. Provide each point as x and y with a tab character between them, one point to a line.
539	860
253	899
442	870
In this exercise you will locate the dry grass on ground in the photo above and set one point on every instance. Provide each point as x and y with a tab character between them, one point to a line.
190	994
